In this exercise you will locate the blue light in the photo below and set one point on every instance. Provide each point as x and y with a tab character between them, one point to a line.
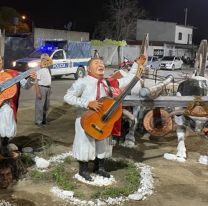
47	48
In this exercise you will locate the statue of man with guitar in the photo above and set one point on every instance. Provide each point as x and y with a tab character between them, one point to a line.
100	113
9	94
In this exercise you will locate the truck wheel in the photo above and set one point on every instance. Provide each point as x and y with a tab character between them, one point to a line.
80	73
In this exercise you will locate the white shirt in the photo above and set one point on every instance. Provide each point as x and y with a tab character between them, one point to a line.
84	90
44	77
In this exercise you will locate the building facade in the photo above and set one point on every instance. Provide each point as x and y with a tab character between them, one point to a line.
166	38
42	34
164	32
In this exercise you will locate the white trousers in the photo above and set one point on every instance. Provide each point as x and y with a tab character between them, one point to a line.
7	122
86	148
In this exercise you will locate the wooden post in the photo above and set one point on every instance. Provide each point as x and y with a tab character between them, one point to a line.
163	101
2	43
201	58
156	90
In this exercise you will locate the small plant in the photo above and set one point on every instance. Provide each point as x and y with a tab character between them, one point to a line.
132	177
36	175
111	192
78	194
27	160
45	147
131	184
62	178
68	160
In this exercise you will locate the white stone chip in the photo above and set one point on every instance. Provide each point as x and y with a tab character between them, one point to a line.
203	159
170	156
97	180
41	163
60	158
5	203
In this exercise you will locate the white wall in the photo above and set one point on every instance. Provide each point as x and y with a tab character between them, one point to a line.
185	32
158	30
41	34
110	53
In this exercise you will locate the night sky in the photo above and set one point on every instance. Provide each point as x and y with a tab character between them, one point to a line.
85	13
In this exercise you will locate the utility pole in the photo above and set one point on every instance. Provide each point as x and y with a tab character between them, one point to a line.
15	23
186	13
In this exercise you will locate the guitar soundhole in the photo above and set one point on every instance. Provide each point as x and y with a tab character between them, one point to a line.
97	128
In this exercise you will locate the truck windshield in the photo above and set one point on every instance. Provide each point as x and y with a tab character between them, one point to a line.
149	58
168	58
37	53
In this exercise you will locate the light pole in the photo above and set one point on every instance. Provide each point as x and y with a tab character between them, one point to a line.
15	22
186	14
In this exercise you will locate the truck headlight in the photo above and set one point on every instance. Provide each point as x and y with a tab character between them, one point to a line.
14	63
32	64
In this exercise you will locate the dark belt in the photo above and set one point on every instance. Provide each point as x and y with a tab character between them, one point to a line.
45	86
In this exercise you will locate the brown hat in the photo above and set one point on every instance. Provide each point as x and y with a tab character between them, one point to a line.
45	60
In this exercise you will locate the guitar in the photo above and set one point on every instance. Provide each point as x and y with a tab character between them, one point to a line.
6	92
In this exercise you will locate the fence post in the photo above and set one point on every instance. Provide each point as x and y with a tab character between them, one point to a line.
2	43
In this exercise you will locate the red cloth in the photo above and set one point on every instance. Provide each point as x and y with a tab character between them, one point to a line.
14	100
100	81
114	84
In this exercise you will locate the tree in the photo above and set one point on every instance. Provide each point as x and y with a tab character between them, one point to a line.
120	23
7	21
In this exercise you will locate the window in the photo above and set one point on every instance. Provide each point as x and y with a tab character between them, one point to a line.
58	55
155	59
179	36
189	38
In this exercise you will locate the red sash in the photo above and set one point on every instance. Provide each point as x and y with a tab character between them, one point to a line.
114	84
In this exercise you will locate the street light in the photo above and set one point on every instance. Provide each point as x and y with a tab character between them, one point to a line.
25	18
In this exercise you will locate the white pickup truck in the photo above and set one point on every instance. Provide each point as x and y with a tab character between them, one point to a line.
71	60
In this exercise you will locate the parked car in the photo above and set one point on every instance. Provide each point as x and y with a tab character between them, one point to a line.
171	62
126	64
153	62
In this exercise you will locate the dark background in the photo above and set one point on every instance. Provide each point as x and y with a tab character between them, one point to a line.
84	14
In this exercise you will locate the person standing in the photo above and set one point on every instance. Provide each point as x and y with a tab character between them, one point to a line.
85	93
8	110
43	90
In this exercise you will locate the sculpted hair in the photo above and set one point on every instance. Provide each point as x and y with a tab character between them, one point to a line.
93	59
45	60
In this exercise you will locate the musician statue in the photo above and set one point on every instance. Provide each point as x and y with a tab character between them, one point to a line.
43	90
92	133
8	110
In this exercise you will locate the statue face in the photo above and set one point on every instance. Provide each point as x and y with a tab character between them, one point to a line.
5	177
97	68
